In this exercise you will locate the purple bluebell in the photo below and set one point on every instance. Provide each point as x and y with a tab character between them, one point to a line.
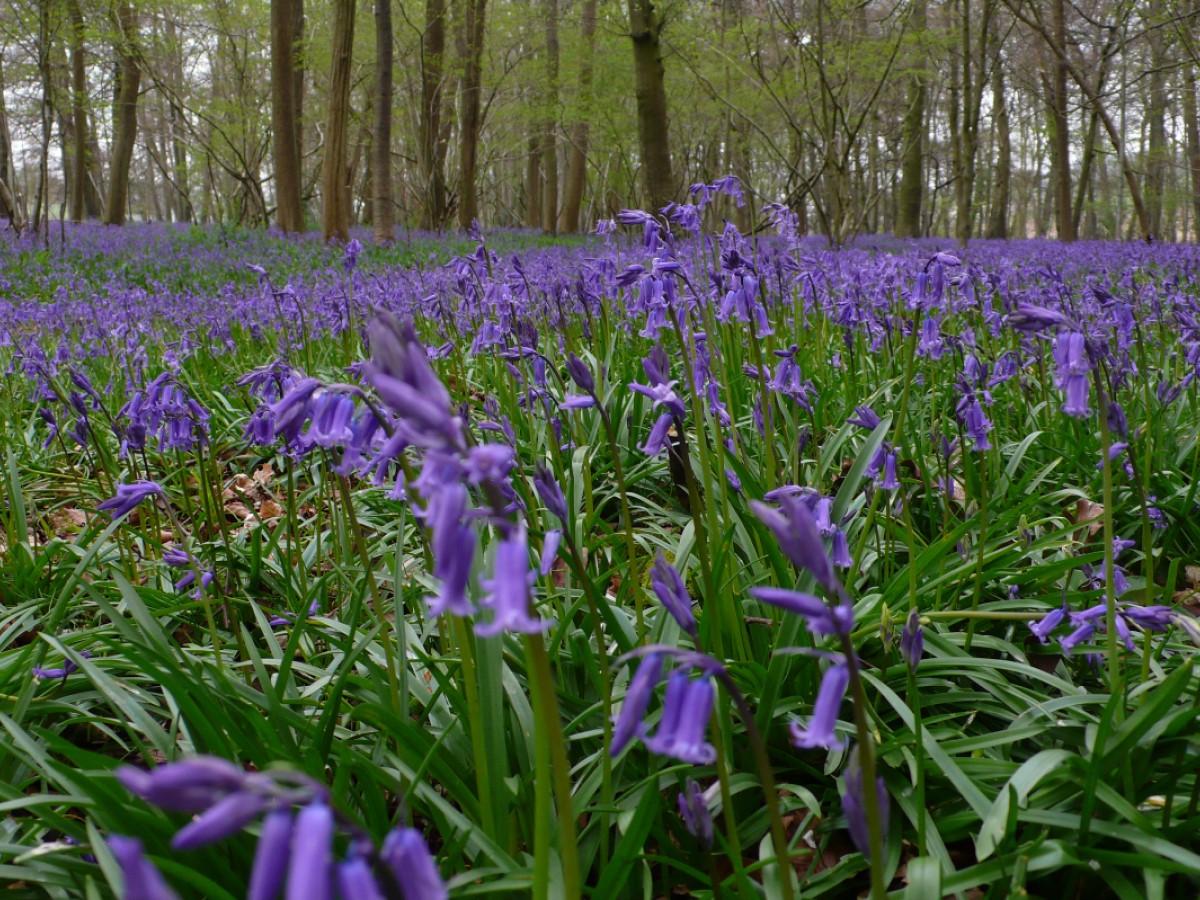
820	732
580	374
407	855
1044	627
687	707
1028	317
128	497
356	881
550	491
550	544
188	785
865	417
227	816
577	401
628	723
272	855
912	641
659	438
510	590
69	665
693	809
822	619
855	807
798	538
142	880
310	870
672	593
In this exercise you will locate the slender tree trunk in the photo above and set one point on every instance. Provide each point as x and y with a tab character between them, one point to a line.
912	152
1156	110
1060	129
549	146
335	187
383	212
1191	124
645	27
471	48
177	125
577	162
125	127
431	145
1002	175
533	183
289	213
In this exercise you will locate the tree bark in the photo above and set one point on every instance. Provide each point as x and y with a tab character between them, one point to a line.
1156	110
85	201
383	208
1060	145
549	143
335	186
471	50
289	212
125	127
533	183
645	27
1191	124
577	161
431	146
912	165
998	215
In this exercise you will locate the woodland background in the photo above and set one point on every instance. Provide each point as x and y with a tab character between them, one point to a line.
971	118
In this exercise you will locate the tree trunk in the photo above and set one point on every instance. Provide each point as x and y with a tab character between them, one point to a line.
125	128
1192	125
533	183
1060	145
645	27
1156	110
549	148
471	50
577	162
84	201
912	164
335	187
1002	177
431	146
383	210
289	213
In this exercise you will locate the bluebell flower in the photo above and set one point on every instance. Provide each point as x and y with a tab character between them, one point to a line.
412	865
227	816
821	618
797	535
687	707
822	725
128	497
912	641
672	593
272	855
693	809
142	880
310	870
510	590
855	807
628	723
550	491
189	785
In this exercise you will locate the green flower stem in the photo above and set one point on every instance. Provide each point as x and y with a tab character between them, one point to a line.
981	550
914	703
542	684
770	792
866	760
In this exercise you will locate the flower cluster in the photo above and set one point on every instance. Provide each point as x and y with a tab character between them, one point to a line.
296	839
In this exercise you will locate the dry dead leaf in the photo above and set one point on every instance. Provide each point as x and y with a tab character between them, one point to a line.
269	509
264	473
1088	512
